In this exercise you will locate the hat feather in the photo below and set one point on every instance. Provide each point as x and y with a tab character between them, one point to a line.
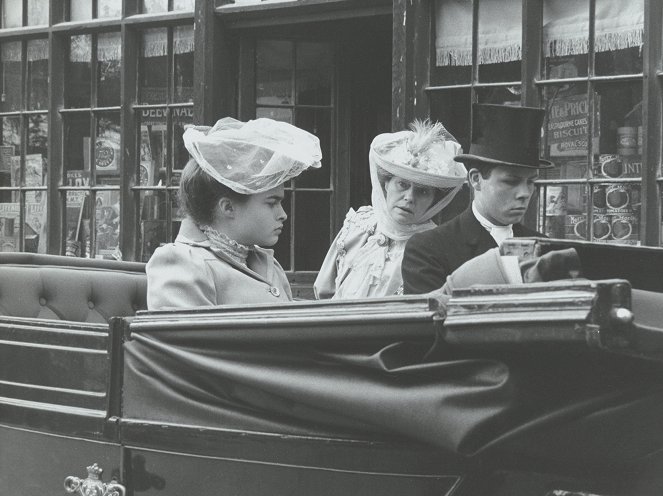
425	133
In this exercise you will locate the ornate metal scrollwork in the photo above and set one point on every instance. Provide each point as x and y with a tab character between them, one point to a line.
92	485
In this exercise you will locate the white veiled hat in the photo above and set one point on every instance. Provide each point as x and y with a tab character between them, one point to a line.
424	155
255	156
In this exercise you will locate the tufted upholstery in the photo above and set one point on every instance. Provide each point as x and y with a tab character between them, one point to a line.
81	290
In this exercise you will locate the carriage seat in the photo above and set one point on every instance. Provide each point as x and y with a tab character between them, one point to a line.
67	288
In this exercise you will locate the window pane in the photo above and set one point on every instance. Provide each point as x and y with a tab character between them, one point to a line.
509	95
109	57
152	223
152	6
153	66
107	217
274	72
183	4
566	131
78	76
565	38
499	50
181	118
618	37
107	146
616	213
153	147
620	126
452	109
278	114
77	217
37	12
317	122
36	160
37	74
453	42
77	143
80	10
175	213
312	229
9	226
315	64
183	49
109	8
10	149
12	13
35	231
282	248
565	211
10	54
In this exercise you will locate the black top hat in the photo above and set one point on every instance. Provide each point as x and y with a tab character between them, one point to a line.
505	135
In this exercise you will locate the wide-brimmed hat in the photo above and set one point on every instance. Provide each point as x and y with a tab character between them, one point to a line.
255	156
506	135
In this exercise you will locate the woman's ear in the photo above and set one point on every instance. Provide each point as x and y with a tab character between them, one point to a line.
225	207
474	178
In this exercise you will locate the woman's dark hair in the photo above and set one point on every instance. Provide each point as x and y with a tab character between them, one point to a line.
200	193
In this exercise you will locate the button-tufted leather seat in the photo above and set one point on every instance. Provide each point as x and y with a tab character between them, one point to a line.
65	288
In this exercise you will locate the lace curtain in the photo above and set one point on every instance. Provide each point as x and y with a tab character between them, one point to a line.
619	25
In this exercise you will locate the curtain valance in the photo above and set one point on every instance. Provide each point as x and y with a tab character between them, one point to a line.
619	25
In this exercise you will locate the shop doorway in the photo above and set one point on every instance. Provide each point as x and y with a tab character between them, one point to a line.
334	80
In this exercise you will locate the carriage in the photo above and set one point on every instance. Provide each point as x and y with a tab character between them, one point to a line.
536	389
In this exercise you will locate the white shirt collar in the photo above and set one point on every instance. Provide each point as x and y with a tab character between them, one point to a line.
499	233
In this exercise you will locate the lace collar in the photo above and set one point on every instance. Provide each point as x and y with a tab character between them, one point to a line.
236	251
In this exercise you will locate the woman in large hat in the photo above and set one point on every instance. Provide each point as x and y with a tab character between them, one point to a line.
230	192
414	177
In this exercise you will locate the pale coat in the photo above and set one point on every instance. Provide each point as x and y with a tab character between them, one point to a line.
191	273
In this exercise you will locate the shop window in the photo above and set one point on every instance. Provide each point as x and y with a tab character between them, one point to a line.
165	72
14	15
92	157
157	6
24	145
83	10
294	83
593	130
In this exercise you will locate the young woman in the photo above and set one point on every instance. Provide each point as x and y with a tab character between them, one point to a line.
414	177
230	193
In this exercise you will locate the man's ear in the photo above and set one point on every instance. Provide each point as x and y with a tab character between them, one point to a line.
225	207
474	178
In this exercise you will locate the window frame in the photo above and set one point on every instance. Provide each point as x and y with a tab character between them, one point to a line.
532	85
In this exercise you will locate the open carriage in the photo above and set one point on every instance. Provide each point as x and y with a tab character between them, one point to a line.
539	389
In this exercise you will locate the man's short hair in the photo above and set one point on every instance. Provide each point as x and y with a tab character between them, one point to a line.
484	169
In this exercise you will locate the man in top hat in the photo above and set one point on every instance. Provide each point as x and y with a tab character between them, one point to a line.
503	163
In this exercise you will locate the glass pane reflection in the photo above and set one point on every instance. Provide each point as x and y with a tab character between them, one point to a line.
314	73
37	74
312	229
37	12
499	50
12	13
109	57
78	75
153	147
109	8
80	10
618	37
152	223
154	6
10	56
153	66
183	49
274	72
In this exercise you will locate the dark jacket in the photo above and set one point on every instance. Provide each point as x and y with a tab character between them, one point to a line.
432	255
